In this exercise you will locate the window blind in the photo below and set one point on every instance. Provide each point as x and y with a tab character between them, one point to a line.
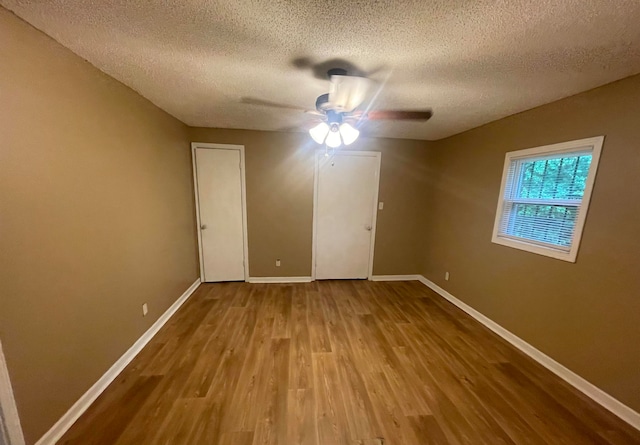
543	197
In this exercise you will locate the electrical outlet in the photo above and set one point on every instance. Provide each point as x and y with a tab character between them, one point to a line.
446	276
277	263
145	309
380	205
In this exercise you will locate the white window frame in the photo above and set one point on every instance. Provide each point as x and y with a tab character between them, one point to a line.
590	144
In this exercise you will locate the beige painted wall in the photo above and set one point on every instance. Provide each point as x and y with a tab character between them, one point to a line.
584	315
96	218
279	176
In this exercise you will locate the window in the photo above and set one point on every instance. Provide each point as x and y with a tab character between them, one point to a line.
544	197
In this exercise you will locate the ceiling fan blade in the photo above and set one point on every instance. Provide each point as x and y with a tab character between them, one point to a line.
347	92
266	103
417	115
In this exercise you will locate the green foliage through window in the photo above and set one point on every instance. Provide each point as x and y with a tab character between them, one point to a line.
559	178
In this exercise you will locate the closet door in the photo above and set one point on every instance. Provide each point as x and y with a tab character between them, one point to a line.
346	195
220	203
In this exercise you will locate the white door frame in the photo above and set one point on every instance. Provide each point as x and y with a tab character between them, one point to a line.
8	409
374	210
245	237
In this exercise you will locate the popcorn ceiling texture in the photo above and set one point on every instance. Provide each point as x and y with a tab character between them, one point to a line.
472	62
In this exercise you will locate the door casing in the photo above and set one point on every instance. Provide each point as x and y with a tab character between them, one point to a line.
10	428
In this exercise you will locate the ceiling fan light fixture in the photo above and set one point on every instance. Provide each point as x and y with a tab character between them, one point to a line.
349	134
319	132
333	138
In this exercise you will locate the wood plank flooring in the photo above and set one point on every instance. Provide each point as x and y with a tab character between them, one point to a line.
337	362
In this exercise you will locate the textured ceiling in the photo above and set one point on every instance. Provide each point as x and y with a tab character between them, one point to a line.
472	62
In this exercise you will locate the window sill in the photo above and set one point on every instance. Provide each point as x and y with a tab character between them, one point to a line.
569	256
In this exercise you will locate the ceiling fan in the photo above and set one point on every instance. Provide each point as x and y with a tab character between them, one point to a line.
340	111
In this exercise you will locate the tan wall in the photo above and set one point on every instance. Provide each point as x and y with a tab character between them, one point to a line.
96	218
584	315
279	176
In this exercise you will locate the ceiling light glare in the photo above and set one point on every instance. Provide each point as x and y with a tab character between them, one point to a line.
319	132
348	133
333	138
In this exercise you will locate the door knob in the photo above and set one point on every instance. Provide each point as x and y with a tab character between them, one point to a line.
368	228
203	226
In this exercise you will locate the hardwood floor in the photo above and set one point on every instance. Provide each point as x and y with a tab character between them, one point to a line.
337	362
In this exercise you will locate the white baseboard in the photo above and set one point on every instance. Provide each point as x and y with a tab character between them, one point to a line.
10	421
310	279
280	279
396	277
615	406
65	422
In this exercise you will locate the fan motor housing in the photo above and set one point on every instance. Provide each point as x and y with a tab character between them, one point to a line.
336	72
322	102
322	105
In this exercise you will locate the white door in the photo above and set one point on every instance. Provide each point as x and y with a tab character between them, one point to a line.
346	195
4	440
220	202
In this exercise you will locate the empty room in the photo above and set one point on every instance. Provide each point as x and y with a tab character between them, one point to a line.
232	222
